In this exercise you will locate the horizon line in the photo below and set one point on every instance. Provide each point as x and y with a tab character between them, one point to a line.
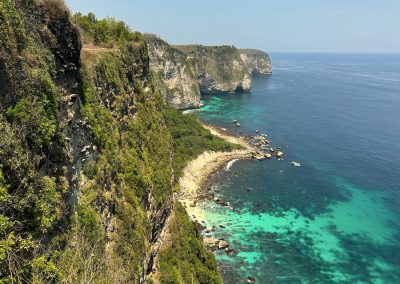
336	52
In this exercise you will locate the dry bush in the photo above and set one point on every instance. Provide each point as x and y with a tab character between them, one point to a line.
54	7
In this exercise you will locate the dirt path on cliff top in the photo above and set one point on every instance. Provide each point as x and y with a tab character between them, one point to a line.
94	48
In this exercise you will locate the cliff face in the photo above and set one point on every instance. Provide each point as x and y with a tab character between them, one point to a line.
257	62
133	177
183	72
173	74
43	133
219	69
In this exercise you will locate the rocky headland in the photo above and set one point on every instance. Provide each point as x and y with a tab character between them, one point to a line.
256	61
183	72
174	76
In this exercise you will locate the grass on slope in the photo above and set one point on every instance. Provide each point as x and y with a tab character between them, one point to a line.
190	139
185	260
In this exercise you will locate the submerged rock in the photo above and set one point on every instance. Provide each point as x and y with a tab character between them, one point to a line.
230	251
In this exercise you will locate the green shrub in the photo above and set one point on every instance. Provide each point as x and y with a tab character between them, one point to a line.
44	270
12	30
46	204
36	114
105	32
186	260
37	127
190	139
4	195
89	169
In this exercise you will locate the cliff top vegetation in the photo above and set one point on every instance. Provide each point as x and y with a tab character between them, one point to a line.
106	32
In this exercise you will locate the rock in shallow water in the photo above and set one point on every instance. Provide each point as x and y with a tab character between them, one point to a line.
222	244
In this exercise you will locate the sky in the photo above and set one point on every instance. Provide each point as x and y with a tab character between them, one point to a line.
349	26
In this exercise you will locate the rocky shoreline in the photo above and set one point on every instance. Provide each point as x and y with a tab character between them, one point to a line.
197	173
196	185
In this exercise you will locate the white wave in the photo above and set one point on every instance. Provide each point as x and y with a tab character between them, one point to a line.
229	165
275	86
188	111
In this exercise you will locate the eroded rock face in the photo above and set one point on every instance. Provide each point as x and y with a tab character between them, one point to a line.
173	75
219	68
182	72
257	62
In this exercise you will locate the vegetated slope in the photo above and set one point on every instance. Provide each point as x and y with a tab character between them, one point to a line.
39	80
86	156
190	139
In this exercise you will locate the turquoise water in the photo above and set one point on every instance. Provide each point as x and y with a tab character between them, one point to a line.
335	219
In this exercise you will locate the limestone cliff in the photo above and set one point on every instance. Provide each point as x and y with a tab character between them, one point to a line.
182	72
257	62
173	75
219	69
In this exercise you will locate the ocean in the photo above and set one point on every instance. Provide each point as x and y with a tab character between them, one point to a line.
335	219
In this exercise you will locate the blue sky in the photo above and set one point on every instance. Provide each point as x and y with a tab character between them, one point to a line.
271	25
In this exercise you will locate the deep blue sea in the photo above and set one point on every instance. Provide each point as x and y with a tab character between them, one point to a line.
335	219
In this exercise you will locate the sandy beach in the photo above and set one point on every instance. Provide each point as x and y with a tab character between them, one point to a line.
197	171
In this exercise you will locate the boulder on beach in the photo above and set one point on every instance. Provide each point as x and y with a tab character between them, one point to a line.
279	154
259	156
222	203
199	226
222	244
211	243
230	251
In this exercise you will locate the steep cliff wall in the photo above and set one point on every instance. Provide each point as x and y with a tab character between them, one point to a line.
173	74
219	69
257	62
43	134
182	72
